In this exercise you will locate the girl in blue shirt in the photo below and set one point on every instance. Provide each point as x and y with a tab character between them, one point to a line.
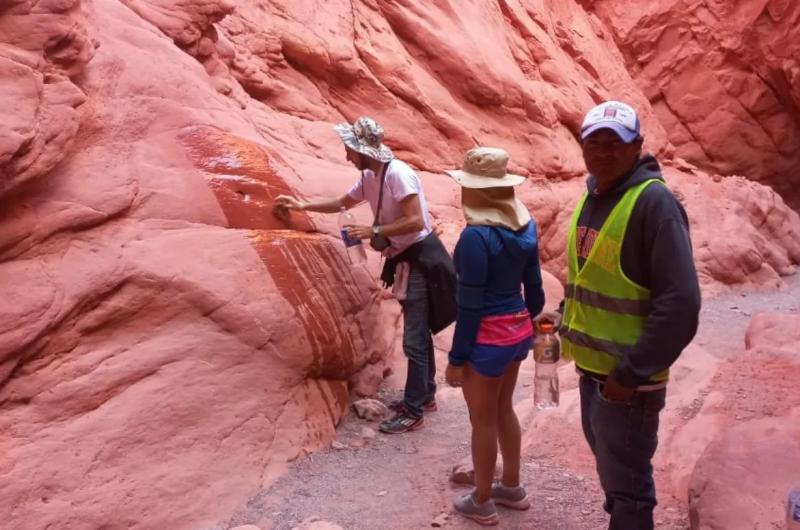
496	256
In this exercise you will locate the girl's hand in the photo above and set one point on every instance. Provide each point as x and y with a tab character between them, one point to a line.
454	375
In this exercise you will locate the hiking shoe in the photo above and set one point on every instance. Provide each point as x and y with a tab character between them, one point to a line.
514	498
485	514
400	423
399	405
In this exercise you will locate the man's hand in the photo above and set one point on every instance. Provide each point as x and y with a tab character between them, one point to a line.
287	202
454	375
613	391
554	317
359	231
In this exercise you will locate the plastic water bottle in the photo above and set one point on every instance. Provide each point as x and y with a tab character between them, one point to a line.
355	249
793	509
546	353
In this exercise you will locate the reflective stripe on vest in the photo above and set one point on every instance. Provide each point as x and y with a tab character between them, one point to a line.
617	305
604	311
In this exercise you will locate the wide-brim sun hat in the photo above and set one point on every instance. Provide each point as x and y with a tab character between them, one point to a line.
488	196
485	167
365	136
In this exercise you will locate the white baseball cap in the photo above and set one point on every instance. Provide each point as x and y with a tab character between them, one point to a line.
615	116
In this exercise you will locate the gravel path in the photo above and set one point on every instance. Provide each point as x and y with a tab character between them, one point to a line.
724	319
400	482
369	481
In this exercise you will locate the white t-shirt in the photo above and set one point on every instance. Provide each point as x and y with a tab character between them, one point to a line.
400	182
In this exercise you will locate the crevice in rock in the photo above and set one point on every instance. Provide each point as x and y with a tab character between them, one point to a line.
663	98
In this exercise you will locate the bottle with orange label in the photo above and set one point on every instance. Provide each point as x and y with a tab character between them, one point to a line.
546	352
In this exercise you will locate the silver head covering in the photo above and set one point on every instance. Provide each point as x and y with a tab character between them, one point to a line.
365	136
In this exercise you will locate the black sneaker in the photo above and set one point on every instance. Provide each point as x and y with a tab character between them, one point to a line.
399	405
400	423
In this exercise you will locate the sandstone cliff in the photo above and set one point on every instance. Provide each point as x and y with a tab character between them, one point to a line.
162	335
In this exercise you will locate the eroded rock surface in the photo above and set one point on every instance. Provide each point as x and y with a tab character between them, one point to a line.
162	335
44	46
723	79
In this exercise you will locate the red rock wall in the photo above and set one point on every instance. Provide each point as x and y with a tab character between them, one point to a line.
43	48
723	79
162	336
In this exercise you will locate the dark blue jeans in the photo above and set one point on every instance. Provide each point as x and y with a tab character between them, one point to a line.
418	344
623	438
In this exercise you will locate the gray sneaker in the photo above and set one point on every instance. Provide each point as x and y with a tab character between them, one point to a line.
514	498
485	514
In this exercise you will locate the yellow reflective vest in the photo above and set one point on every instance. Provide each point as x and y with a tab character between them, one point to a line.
604	310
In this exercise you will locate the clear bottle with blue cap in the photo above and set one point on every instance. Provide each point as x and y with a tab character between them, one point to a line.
355	248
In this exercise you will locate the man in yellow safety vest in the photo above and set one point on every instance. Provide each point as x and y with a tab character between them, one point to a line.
631	306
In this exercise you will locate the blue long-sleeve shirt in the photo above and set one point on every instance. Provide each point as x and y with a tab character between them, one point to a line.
492	263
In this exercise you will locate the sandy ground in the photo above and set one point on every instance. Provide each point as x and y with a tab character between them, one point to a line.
373	481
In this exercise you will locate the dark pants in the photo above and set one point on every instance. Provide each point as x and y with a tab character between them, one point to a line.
418	344
623	438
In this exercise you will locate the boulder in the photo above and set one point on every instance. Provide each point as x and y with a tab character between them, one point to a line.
744	477
370	409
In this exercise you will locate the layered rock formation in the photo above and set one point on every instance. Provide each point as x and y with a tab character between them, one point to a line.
161	334
743	57
43	47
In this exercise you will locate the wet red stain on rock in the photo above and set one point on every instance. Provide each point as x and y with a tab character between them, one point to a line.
242	177
308	270
318	282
